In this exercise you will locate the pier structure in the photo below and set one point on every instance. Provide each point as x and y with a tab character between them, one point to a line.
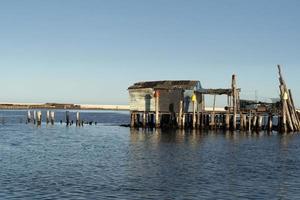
181	104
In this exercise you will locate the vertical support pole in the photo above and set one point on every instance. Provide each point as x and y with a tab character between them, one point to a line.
242	122
48	117
180	114
227	121
194	100
213	115
157	120
34	117
52	117
67	118
39	118
250	121
202	106
270	122
245	121
259	123
144	120
131	120
234	100
77	119
254	122
28	116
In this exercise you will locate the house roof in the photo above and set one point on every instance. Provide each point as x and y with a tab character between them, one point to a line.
169	84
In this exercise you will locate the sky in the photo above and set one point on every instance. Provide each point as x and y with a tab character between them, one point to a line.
90	51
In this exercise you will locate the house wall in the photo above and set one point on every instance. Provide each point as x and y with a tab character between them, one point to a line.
144	100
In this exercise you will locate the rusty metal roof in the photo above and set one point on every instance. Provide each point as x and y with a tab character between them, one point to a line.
167	84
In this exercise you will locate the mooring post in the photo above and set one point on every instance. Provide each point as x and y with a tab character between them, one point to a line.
39	118
157	120
67	118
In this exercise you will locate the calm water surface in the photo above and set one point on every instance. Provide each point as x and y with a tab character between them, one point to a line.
111	162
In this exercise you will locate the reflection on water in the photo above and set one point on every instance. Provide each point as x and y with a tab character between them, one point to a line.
111	162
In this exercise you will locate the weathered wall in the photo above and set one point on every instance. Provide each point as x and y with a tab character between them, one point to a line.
144	100
141	100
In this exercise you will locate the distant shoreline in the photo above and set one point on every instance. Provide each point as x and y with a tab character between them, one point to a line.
29	106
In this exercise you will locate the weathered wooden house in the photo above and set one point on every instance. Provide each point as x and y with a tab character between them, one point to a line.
168	101
142	95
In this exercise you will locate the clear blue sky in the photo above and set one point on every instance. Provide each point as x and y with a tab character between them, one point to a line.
90	51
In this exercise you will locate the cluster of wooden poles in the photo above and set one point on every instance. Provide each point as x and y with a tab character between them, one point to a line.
290	117
35	117
251	121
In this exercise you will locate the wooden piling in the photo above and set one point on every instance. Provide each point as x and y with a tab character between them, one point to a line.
234	101
77	119
144	120
250	121
227	121
270	122
254	124
39	118
131	120
259	123
48	117
52	116
242	127
213	115
34	117
157	119
29	116
67	118
180	117
194	111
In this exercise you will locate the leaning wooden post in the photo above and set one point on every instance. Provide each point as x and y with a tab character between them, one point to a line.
157	120
194	100
234	100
